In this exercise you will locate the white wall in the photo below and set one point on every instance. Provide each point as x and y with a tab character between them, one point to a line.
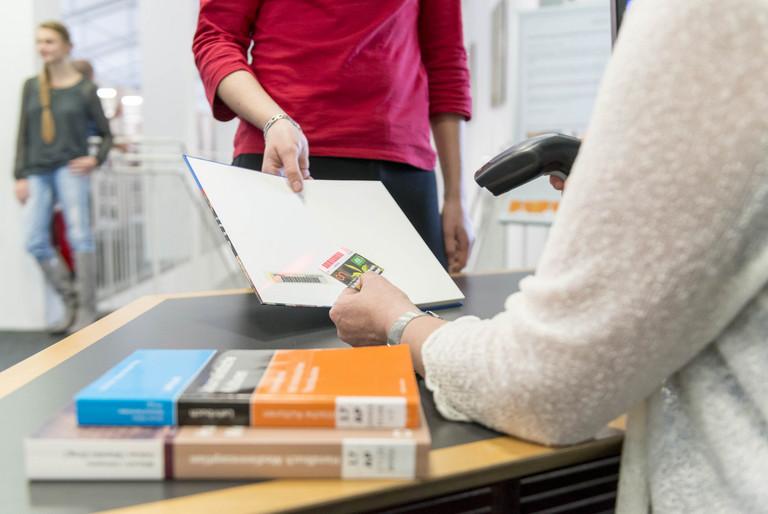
167	68
493	129
22	299
174	105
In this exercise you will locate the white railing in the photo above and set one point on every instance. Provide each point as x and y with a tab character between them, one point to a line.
153	231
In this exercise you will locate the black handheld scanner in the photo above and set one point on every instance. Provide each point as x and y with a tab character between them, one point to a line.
547	154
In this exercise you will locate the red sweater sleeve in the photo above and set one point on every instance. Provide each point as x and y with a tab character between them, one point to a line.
221	44
442	51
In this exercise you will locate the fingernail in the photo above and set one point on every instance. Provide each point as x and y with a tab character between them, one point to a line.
296	186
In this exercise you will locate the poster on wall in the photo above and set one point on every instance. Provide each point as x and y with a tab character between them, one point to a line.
563	54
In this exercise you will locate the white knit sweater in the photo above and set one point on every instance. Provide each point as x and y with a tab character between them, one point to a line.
652	287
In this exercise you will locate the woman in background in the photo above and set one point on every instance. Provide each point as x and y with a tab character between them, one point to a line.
652	291
58	108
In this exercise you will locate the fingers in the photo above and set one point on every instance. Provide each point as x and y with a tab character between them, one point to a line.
79	166
292	171
453	265
451	246
462	243
287	153
338	305
271	163
304	163
334	314
456	248
369	278
557	182
457	261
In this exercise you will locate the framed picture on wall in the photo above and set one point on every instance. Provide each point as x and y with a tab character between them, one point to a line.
499	41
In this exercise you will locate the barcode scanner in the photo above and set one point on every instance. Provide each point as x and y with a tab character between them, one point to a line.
547	154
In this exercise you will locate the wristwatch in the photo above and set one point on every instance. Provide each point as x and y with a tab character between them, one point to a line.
395	333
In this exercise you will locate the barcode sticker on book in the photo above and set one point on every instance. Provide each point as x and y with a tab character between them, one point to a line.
378	458
296	278
370	412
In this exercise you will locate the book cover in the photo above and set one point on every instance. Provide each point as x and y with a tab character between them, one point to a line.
62	450
371	387
283	260
142	389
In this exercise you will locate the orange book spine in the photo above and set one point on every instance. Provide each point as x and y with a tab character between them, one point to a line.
339	411
344	388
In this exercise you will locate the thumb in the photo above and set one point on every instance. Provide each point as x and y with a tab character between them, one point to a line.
368	278
348	291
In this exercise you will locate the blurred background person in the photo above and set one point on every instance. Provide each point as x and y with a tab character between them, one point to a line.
362	83
53	165
85	68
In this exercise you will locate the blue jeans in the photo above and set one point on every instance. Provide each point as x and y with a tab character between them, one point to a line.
73	194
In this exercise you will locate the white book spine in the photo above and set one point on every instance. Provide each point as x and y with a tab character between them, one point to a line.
371	412
378	458
83	459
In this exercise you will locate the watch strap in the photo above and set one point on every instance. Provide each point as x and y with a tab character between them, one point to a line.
395	333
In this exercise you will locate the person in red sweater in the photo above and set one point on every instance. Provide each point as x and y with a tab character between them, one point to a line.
360	83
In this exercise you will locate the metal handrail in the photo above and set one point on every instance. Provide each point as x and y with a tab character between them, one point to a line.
150	221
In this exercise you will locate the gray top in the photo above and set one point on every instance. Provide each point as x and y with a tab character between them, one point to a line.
652	288
77	114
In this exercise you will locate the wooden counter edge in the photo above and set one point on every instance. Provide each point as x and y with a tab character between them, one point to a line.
32	367
454	469
470	463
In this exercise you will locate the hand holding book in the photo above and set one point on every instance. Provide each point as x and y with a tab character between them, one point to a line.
364	318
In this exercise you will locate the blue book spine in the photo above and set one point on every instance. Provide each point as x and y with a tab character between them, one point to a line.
143	389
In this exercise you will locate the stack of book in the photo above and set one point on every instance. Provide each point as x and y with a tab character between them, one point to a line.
240	414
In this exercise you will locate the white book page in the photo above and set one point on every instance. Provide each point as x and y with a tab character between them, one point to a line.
275	231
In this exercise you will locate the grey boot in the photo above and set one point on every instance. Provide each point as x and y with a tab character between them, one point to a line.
85	279
57	273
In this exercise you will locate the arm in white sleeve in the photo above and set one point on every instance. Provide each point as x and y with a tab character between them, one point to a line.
658	243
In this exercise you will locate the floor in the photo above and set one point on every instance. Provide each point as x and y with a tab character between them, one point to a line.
17	346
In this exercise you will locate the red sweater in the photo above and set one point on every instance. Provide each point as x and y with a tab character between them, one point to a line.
361	77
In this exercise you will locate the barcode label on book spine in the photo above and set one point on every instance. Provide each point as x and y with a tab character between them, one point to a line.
378	458
371	412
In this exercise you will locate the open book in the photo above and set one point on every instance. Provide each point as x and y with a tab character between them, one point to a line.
282	239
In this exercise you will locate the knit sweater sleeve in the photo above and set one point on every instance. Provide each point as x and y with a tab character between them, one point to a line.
663	204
